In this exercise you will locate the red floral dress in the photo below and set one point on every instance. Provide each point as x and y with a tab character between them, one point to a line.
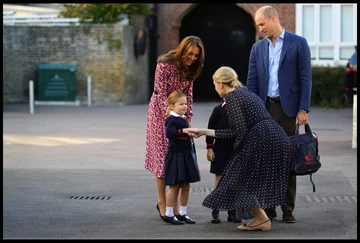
166	81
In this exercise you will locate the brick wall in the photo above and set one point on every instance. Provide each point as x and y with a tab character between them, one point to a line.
104	52
170	16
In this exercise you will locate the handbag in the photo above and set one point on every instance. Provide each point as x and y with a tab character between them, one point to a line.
305	158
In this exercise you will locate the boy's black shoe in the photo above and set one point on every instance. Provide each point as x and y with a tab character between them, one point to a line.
215	217
232	217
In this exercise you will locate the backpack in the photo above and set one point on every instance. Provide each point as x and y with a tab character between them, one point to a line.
305	158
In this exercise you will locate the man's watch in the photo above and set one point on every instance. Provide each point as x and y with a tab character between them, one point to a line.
305	111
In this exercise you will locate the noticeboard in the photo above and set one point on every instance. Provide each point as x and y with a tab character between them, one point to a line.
57	82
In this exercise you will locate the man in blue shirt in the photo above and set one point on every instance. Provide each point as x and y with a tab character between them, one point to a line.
280	74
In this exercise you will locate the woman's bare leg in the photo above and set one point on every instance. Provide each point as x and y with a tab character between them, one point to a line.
259	216
160	182
260	221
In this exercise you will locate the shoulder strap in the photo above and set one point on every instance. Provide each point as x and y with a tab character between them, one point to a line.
312	182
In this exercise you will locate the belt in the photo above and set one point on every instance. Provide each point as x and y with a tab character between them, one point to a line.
274	99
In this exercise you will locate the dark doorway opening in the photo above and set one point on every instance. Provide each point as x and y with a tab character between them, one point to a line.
152	25
228	33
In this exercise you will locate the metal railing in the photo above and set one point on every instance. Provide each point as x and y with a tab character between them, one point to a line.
42	19
8	12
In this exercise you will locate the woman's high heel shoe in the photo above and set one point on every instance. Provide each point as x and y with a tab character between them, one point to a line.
157	207
264	226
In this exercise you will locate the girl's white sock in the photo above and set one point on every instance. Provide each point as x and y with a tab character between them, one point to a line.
169	212
182	210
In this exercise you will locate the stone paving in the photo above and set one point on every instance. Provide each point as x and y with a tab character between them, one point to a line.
78	173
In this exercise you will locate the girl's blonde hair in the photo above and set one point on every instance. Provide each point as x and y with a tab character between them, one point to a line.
172	99
178	56
228	76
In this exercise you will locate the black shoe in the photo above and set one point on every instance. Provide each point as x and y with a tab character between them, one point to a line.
172	220
215	217
157	207
271	213
232	217
185	218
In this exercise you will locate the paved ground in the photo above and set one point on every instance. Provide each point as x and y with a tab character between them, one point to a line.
58	154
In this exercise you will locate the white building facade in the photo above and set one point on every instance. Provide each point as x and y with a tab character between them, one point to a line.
330	29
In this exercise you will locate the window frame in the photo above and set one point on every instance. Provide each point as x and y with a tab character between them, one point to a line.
336	43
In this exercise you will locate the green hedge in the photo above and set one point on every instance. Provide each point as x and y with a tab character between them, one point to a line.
328	87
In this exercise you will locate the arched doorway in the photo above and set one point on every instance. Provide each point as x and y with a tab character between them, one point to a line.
228	33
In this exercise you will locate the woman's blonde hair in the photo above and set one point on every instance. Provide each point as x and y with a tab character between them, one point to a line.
172	99
179	55
228	76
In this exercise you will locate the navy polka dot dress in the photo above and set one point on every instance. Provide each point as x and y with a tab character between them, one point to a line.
257	175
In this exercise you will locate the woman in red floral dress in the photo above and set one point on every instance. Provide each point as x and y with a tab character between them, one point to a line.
175	70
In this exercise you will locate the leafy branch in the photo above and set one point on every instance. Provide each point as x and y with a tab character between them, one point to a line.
104	13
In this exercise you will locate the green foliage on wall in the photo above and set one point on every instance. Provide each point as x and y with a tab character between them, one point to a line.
104	12
328	87
113	43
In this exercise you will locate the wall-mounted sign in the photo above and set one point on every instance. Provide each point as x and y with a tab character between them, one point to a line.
57	82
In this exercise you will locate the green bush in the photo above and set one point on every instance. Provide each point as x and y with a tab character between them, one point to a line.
328	87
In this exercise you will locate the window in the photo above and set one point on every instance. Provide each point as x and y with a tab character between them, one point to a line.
308	21
347	23
330	29
326	26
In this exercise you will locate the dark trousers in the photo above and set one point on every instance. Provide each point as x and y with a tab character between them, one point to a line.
288	124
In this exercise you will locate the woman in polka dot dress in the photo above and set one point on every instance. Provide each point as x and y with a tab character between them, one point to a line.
256	176
175	70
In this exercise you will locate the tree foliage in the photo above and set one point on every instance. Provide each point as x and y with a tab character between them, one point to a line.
103	13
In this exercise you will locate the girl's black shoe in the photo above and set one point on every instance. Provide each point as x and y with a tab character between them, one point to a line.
171	220
185	219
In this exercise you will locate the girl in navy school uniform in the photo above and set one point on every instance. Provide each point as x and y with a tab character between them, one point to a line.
181	167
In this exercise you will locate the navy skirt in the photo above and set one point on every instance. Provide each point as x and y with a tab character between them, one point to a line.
181	167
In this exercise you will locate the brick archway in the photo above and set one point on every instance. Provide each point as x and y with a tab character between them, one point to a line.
169	22
230	25
170	16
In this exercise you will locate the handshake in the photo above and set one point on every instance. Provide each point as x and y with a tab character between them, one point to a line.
196	132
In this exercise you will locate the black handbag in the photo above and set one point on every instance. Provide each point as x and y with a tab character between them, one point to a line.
305	158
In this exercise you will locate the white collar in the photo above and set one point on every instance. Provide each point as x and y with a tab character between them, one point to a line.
173	113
